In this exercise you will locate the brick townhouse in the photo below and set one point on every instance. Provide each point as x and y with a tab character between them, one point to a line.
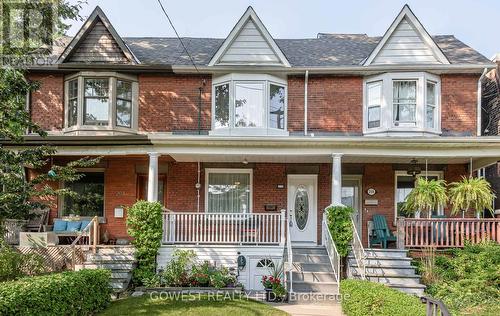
260	125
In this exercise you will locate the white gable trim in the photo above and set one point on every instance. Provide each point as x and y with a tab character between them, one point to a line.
87	27
413	20
249	15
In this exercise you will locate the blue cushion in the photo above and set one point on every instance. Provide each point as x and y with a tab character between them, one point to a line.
85	222
74	226
60	225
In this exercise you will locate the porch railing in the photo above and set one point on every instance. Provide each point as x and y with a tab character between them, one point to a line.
224	228
289	261
91	231
358	251
331	249
446	232
434	307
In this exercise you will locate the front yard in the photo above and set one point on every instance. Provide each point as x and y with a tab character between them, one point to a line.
190	305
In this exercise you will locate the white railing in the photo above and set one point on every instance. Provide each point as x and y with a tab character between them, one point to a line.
11	229
289	259
358	251
224	228
92	232
331	249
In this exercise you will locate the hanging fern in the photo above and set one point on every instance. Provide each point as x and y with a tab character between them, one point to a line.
427	196
471	194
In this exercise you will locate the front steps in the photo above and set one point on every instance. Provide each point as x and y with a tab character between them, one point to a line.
388	266
312	273
119	259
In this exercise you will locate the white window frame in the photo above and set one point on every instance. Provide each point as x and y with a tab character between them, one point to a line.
387	125
236	78
439	174
112	126
208	171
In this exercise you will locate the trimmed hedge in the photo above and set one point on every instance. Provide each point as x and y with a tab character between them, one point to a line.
363	298
83	292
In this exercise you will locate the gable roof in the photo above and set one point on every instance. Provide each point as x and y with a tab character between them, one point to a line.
98	42
249	43
406	42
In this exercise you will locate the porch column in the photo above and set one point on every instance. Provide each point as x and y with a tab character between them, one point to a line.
336	179
153	177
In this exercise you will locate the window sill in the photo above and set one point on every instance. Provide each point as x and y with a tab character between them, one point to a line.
98	130
248	132
403	132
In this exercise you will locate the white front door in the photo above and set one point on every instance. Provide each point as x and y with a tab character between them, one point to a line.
351	196
302	208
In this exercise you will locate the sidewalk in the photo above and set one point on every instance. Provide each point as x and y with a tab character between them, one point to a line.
309	309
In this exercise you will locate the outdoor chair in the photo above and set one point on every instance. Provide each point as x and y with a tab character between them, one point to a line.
40	219
381	232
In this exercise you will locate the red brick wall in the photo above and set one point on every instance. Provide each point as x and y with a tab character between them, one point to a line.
181	193
295	111
459	103
47	103
335	104
170	103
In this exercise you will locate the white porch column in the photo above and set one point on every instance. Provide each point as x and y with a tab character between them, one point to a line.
337	179
153	177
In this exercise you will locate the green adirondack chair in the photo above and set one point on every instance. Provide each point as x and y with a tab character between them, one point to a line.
381	232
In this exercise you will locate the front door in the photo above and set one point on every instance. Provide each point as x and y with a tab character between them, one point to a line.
351	188
302	208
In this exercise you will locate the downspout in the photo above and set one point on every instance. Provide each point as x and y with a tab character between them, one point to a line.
306	82
479	99
199	104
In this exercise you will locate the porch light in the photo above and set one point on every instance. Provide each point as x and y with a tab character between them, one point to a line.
414	169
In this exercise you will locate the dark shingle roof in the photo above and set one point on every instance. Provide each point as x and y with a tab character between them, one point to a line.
326	50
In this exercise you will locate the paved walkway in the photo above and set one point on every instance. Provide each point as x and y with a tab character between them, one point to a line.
309	309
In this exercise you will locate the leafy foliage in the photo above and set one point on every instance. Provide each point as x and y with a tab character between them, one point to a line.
365	298
427	196
340	226
467	280
144	223
176	272
471	194
85	292
14	265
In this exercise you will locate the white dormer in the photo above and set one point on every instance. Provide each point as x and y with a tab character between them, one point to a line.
406	42
249	43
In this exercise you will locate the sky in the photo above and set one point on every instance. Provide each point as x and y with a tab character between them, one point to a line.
474	22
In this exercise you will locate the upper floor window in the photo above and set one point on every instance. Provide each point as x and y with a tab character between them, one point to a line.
101	101
402	103
245	104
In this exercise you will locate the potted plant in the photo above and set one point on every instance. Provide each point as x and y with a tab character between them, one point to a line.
471	194
267	282
427	196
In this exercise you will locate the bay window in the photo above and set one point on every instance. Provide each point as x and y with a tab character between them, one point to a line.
402	104
228	190
101	101
245	104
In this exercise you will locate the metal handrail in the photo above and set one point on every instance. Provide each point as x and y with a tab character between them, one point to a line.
332	251
358	251
289	257
434	307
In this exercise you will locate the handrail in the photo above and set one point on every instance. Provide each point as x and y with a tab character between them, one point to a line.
93	234
358	251
331	249
290	257
434	307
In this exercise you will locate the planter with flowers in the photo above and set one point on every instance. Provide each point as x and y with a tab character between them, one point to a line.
275	291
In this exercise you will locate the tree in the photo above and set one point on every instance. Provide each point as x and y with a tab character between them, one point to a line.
19	195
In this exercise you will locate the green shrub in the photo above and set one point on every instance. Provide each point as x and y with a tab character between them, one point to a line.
144	223
176	272
340	226
468	280
365	298
14	265
68	293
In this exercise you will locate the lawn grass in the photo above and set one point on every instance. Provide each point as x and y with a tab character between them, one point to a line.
204	306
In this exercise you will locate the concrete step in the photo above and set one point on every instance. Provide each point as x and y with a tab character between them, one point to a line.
392	279
121	274
107	250
382	271
385	253
312	267
382	261
110	257
309	250
313	276
307	287
310	258
110	266
409	289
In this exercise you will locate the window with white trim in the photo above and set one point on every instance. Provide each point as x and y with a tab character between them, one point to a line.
402	103
228	190
248	104
101	101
